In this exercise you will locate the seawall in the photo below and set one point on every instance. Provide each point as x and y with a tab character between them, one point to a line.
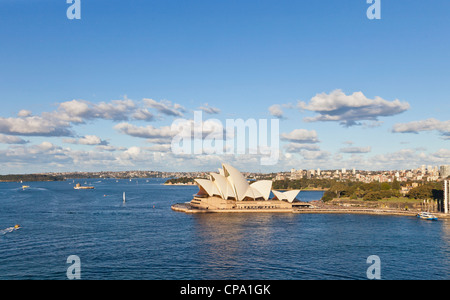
187	208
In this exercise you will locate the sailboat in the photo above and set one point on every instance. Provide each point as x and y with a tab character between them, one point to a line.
123	197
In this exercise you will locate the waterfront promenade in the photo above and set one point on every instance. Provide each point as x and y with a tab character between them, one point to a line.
317	208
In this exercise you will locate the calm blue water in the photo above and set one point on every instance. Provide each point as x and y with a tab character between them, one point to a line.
145	239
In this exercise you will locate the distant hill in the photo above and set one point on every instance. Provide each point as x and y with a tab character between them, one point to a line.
30	177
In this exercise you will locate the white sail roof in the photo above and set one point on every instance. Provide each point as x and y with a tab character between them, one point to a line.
263	187
231	184
237	181
288	196
223	185
208	186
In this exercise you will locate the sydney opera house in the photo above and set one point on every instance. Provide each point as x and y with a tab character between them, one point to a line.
228	191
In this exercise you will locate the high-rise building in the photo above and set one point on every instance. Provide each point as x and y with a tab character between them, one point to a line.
446	196
444	171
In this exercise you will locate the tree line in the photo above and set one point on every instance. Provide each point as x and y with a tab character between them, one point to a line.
382	190
183	180
30	177
301	184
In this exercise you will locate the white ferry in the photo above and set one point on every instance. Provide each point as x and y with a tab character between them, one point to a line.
427	216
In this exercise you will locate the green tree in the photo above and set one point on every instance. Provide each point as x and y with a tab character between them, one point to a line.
425	191
385	186
338	188
328	196
396	184
372	196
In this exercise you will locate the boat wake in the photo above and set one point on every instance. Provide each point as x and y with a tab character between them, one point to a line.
9	229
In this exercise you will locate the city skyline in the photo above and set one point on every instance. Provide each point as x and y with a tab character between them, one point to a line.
101	92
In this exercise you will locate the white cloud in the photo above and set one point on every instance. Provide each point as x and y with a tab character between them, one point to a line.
34	126
74	111
59	122
77	111
149	132
25	158
208	129
296	147
159	148
424	125
301	136
442	154
131	153
165	107
117	110
209	109
24	113
163	140
143	114
407	159
350	109
355	149
276	111
7	139
44	153
87	140
46	146
318	156
109	148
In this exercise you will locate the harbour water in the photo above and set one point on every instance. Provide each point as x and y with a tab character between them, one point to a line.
144	239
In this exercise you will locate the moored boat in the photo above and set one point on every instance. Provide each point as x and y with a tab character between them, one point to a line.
427	216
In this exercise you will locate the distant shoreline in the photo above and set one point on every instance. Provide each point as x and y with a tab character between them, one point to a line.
30	178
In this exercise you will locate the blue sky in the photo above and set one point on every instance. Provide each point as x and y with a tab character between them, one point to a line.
374	92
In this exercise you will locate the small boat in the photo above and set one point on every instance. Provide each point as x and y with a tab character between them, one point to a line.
25	187
123	198
427	216
79	187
